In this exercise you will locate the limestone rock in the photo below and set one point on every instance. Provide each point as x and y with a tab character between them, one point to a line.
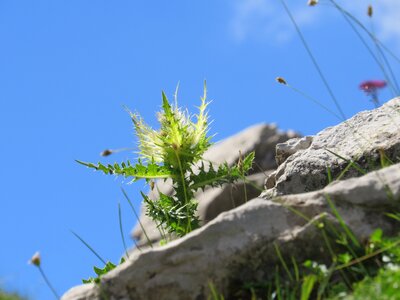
362	139
284	150
216	200
239	245
262	139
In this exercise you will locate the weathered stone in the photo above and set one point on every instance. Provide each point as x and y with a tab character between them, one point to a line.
260	138
269	182
239	246
214	201
284	150
362	139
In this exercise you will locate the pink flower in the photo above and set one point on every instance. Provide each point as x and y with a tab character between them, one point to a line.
371	86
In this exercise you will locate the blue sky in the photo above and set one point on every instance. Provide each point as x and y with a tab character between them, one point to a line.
69	67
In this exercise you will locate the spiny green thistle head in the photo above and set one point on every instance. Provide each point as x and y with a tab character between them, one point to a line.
181	136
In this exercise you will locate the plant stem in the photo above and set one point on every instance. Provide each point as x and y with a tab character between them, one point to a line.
121	230
314	60
182	175
278	252
137	217
378	62
89	247
368	256
48	282
314	100
376	41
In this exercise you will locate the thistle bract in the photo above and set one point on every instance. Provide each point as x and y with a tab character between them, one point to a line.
180	140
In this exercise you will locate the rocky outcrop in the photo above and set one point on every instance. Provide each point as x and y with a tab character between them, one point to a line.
363	139
240	245
260	138
293	215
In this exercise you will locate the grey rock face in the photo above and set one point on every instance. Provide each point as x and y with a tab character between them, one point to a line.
284	150
260	138
361	139
239	245
216	200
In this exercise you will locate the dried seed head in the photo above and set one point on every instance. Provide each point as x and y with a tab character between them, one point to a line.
312	2
370	11
106	152
35	260
281	80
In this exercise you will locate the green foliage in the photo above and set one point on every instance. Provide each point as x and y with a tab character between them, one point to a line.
371	165
223	174
385	286
369	270
9	296
139	171
173	152
214	293
101	272
307	286
178	218
108	266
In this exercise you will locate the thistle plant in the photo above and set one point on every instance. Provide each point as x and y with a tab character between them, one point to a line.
173	152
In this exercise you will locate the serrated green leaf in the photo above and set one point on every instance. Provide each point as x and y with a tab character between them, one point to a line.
89	280
139	171
166	106
100	272
223	174
248	161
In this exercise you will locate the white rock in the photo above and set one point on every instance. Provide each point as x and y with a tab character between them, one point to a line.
359	139
284	150
238	246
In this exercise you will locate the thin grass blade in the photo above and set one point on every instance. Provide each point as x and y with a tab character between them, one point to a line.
121	230
89	247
